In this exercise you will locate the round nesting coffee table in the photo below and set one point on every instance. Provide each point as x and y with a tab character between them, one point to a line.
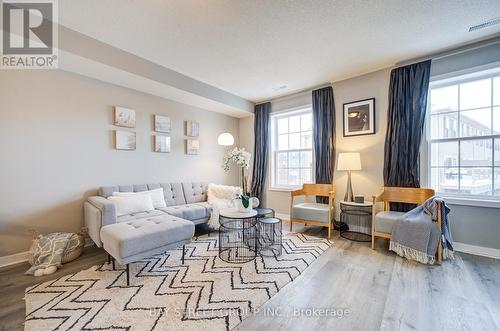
270	236
238	235
264	212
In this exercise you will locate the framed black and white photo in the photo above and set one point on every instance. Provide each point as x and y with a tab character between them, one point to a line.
359	117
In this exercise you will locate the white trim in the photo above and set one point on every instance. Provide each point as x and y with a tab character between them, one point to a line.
477	250
23	256
13	259
284	217
283	189
473	202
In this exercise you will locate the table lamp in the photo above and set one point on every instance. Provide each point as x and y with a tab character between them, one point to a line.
348	162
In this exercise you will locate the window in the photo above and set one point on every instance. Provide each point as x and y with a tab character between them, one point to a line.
464	135
291	149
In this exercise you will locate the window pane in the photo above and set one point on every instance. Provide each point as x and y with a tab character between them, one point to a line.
282	160
294	141
283	125
497	181
444	99
294	124
294	177
476	181
497	152
294	159
444	154
306	139
444	125
306	159
475	153
475	94
445	180
475	122
496	91
306	122
496	120
282	179
282	142
306	175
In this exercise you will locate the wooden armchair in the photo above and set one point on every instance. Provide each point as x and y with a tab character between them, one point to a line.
313	213
382	222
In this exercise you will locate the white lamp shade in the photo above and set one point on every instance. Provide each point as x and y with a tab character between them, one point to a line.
225	139
349	161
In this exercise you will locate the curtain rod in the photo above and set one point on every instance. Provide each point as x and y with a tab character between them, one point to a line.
453	51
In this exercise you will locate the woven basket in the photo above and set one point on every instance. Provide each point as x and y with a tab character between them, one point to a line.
68	256
74	253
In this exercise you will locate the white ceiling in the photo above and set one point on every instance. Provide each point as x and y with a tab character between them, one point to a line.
249	47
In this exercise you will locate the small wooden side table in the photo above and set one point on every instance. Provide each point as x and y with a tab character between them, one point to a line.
358	217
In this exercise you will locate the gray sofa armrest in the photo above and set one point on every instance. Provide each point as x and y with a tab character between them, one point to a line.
98	212
107	208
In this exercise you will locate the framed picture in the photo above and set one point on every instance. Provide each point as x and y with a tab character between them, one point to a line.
125	140
359	117
192	146
162	124
124	117
162	144
192	129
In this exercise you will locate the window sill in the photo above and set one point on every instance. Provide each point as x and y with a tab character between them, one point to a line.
473	202
283	189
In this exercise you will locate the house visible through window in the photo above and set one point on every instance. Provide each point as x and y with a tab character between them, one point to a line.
464	135
291	149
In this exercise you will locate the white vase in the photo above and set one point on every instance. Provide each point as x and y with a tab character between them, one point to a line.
241	208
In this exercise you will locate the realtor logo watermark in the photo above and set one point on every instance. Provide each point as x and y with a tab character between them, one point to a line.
29	34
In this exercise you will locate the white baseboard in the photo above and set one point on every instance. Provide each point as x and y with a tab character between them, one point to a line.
477	250
13	259
23	256
284	217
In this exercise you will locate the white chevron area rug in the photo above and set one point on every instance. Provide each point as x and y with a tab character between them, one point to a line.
203	294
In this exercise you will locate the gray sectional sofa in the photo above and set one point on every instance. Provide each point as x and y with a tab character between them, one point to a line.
186	201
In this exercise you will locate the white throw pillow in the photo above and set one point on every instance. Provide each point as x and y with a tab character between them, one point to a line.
157	196
135	203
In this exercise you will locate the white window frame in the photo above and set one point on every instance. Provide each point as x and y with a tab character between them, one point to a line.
462	198
273	142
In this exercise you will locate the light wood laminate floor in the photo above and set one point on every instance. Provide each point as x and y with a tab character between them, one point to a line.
376	290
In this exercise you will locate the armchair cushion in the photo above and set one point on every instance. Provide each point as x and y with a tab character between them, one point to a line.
385	220
310	212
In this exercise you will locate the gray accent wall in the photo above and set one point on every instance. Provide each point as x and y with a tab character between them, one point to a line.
56	148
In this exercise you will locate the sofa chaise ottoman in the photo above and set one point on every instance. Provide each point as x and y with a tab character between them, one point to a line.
133	240
132	237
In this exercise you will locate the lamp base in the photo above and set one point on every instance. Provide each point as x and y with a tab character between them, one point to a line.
349	196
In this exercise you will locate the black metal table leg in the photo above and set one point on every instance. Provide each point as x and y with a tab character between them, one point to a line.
183	252
128	274
109	258
113	261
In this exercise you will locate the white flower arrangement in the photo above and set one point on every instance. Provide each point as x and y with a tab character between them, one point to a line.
242	159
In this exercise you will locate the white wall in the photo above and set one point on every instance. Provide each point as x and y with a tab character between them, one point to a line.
56	148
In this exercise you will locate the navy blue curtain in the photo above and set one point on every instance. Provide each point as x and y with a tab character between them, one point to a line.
408	91
261	149
324	135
